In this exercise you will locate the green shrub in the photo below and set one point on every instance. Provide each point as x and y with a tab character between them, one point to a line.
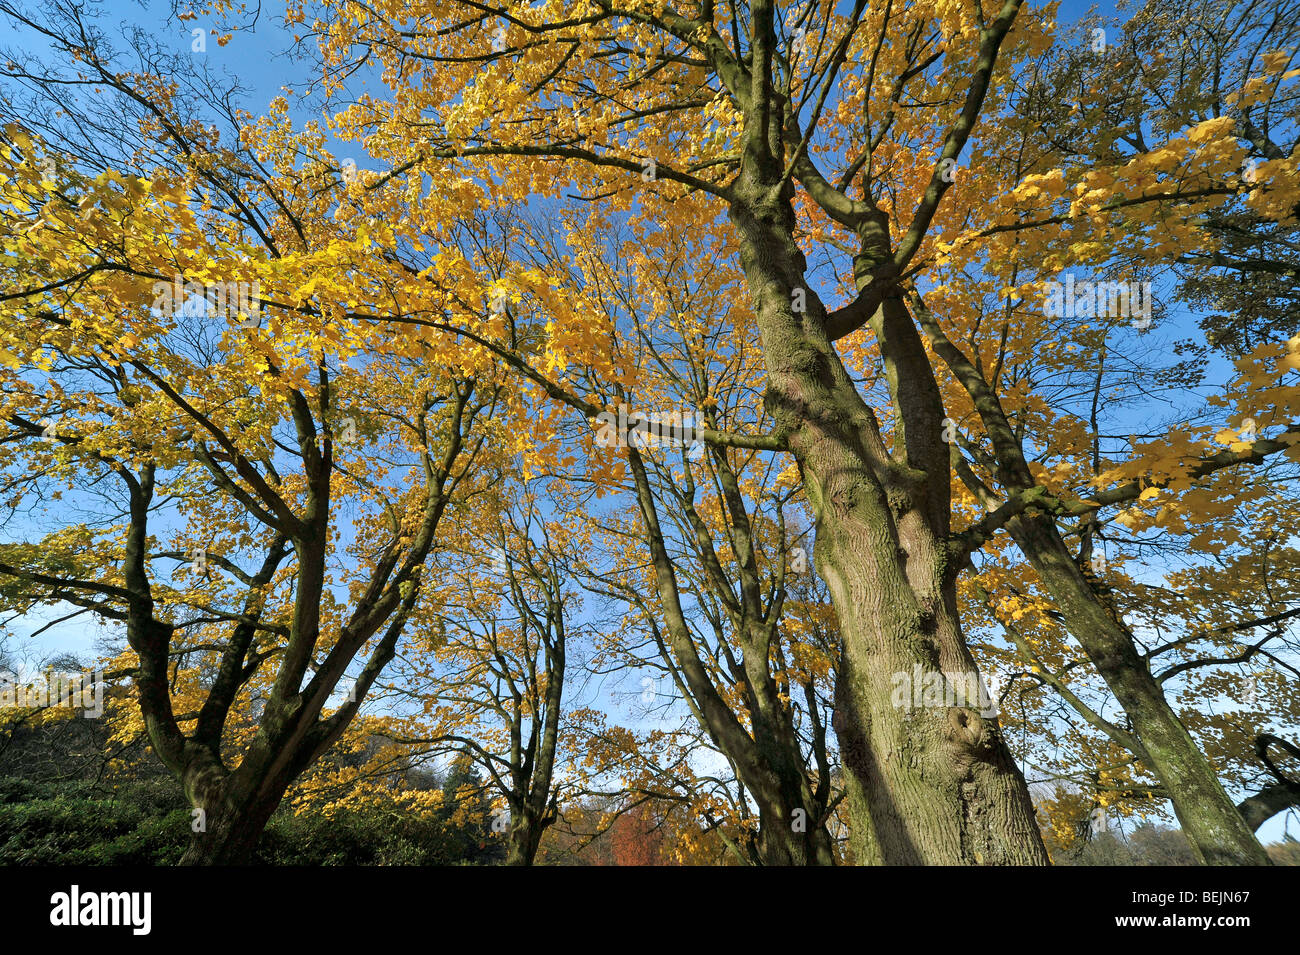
148	823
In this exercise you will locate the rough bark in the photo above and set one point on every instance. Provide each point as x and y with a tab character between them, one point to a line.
232	823
926	785
1217	831
524	837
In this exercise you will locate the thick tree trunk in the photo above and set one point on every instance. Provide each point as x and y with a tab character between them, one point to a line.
236	806
522	839
787	839
230	835
1218	833
926	785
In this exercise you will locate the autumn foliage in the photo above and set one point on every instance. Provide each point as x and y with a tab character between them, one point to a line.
604	408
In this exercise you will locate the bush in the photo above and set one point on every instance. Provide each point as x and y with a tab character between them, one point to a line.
368	837
148	823
81	824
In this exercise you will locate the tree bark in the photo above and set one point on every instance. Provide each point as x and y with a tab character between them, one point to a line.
926	785
1216	829
1264	805
231	835
236	809
787	840
523	838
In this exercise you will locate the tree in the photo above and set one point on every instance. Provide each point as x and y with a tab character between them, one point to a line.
1190	176
705	615
501	620
636	839
949	426
731	117
172	358
807	125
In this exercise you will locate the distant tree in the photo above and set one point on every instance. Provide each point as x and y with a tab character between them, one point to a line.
636	837
467	812
1148	844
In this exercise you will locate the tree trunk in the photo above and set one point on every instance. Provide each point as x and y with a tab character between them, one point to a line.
230	834
792	831
787	839
522	839
236	806
1218	833
926	785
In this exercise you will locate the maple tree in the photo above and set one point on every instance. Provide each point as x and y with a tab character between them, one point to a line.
221	440
709	179
1193	178
499	620
802	125
706	610
729	142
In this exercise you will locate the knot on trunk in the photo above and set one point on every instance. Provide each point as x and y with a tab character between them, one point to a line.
970	731
926	620
204	779
899	500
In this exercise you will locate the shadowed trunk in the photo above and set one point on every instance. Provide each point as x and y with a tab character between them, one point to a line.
231	835
235	810
926	785
523	838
